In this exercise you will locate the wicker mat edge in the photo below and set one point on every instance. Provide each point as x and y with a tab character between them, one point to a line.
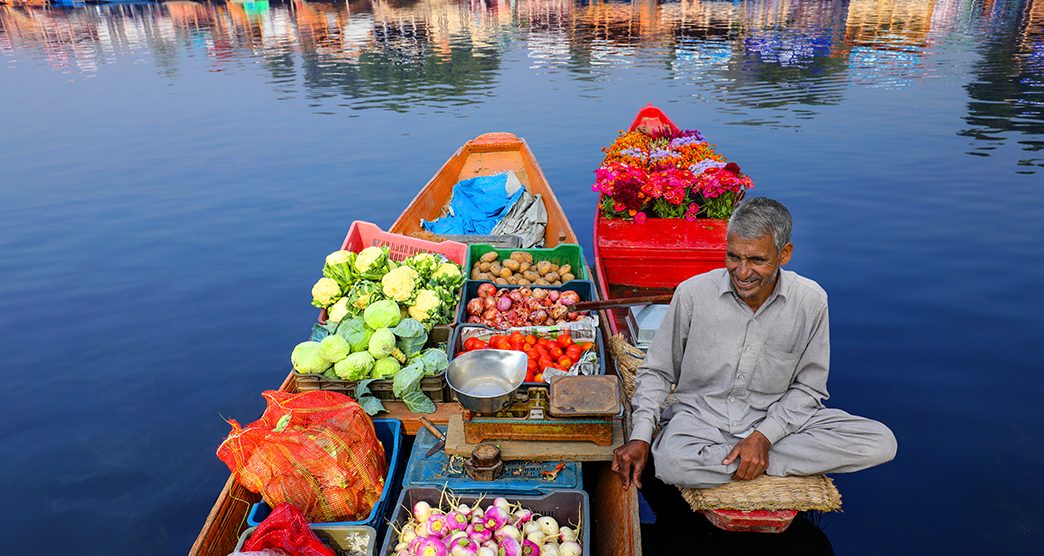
768	493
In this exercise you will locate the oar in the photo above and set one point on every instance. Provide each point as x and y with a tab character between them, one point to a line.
621	302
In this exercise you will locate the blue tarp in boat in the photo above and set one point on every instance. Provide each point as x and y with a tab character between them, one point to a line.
478	205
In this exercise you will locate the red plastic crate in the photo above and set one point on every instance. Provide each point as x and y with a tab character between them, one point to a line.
661	253
364	234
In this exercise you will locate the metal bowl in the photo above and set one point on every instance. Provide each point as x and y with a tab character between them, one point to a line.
485	380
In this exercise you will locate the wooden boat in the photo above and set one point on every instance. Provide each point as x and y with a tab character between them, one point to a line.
614	510
641	280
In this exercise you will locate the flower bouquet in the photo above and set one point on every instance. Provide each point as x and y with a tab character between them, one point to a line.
667	173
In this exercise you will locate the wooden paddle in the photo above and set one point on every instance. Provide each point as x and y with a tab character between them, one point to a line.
621	302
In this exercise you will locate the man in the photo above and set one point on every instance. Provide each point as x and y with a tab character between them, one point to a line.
747	348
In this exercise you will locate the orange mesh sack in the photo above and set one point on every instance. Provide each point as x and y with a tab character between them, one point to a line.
316	450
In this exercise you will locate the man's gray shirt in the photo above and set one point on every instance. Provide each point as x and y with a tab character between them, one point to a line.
736	369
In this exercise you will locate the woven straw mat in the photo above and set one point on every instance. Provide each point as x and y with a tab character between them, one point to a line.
764	493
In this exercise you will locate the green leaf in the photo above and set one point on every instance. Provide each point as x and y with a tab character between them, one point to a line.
435	361
319	331
371	405
282	423
417	402
363	388
411	336
407	379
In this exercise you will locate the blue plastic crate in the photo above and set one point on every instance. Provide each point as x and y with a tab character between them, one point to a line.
518	477
456	346
389	433
584	288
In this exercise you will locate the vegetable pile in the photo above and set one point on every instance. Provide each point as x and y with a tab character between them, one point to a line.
502	529
520	269
557	353
507	308
376	345
425	287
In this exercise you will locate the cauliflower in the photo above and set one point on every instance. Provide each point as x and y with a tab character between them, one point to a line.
338	311
371	260
325	292
447	272
399	283
425	306
338	257
424	263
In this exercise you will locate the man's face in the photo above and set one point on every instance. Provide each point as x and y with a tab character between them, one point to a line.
753	266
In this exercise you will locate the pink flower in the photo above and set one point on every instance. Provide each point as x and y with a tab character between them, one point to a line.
640	218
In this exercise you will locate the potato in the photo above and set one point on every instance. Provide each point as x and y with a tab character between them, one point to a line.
542	282
556	283
522	257
552	277
500	281
484	267
506	273
522	267
524	282
476	273
567	277
565	269
531	275
543	267
512	264
494	268
554	267
484	276
489	257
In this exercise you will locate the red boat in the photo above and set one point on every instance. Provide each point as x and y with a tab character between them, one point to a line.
637	260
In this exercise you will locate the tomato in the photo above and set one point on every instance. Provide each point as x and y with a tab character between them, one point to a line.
541	352
481	345
531	366
532	354
542	342
517	335
539	377
573	352
501	342
469	344
530	339
555	352
587	346
564	340
517	344
565	361
545	363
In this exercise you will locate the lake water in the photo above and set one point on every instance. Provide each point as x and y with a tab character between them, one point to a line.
172	175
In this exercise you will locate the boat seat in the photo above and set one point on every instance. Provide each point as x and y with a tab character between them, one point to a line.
816	492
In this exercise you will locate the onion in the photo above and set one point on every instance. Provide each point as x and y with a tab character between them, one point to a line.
548	525
553	295
475	306
538	316
539	293
567	534
508	531
571	548
509	547
422	511
490	314
530	548
486	290
569	297
473	319
515	296
525	292
489	302
503	303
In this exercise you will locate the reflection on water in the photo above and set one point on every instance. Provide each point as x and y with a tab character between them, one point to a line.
792	55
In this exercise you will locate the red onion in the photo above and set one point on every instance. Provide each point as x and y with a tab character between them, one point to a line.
474	319
475	306
490	314
515	295
553	295
538	316
539	293
504	303
569	297
486	290
489	302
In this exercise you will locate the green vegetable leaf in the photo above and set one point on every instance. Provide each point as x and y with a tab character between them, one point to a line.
417	402
411	335
363	388
282	423
319	331
435	361
407	379
371	405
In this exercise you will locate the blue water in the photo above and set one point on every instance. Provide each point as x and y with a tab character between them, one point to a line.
172	174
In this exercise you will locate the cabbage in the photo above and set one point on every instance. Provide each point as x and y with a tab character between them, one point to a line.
354	367
356	332
435	360
307	358
382	343
385	367
411	335
334	348
382	314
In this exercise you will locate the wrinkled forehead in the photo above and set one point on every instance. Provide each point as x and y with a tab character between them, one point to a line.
762	246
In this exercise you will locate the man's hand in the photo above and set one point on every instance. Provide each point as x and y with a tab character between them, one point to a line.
753	455
629	460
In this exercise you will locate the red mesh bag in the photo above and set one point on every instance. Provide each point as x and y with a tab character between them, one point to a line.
286	529
315	450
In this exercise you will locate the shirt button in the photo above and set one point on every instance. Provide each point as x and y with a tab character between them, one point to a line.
735	423
747	348
732	399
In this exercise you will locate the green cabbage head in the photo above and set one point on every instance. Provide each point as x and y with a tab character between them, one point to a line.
385	368
307	358
382	343
334	348
356	332
382	314
356	366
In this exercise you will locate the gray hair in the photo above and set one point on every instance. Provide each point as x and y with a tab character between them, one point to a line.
762	216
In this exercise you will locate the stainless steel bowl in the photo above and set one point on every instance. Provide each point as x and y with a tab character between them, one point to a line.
485	380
